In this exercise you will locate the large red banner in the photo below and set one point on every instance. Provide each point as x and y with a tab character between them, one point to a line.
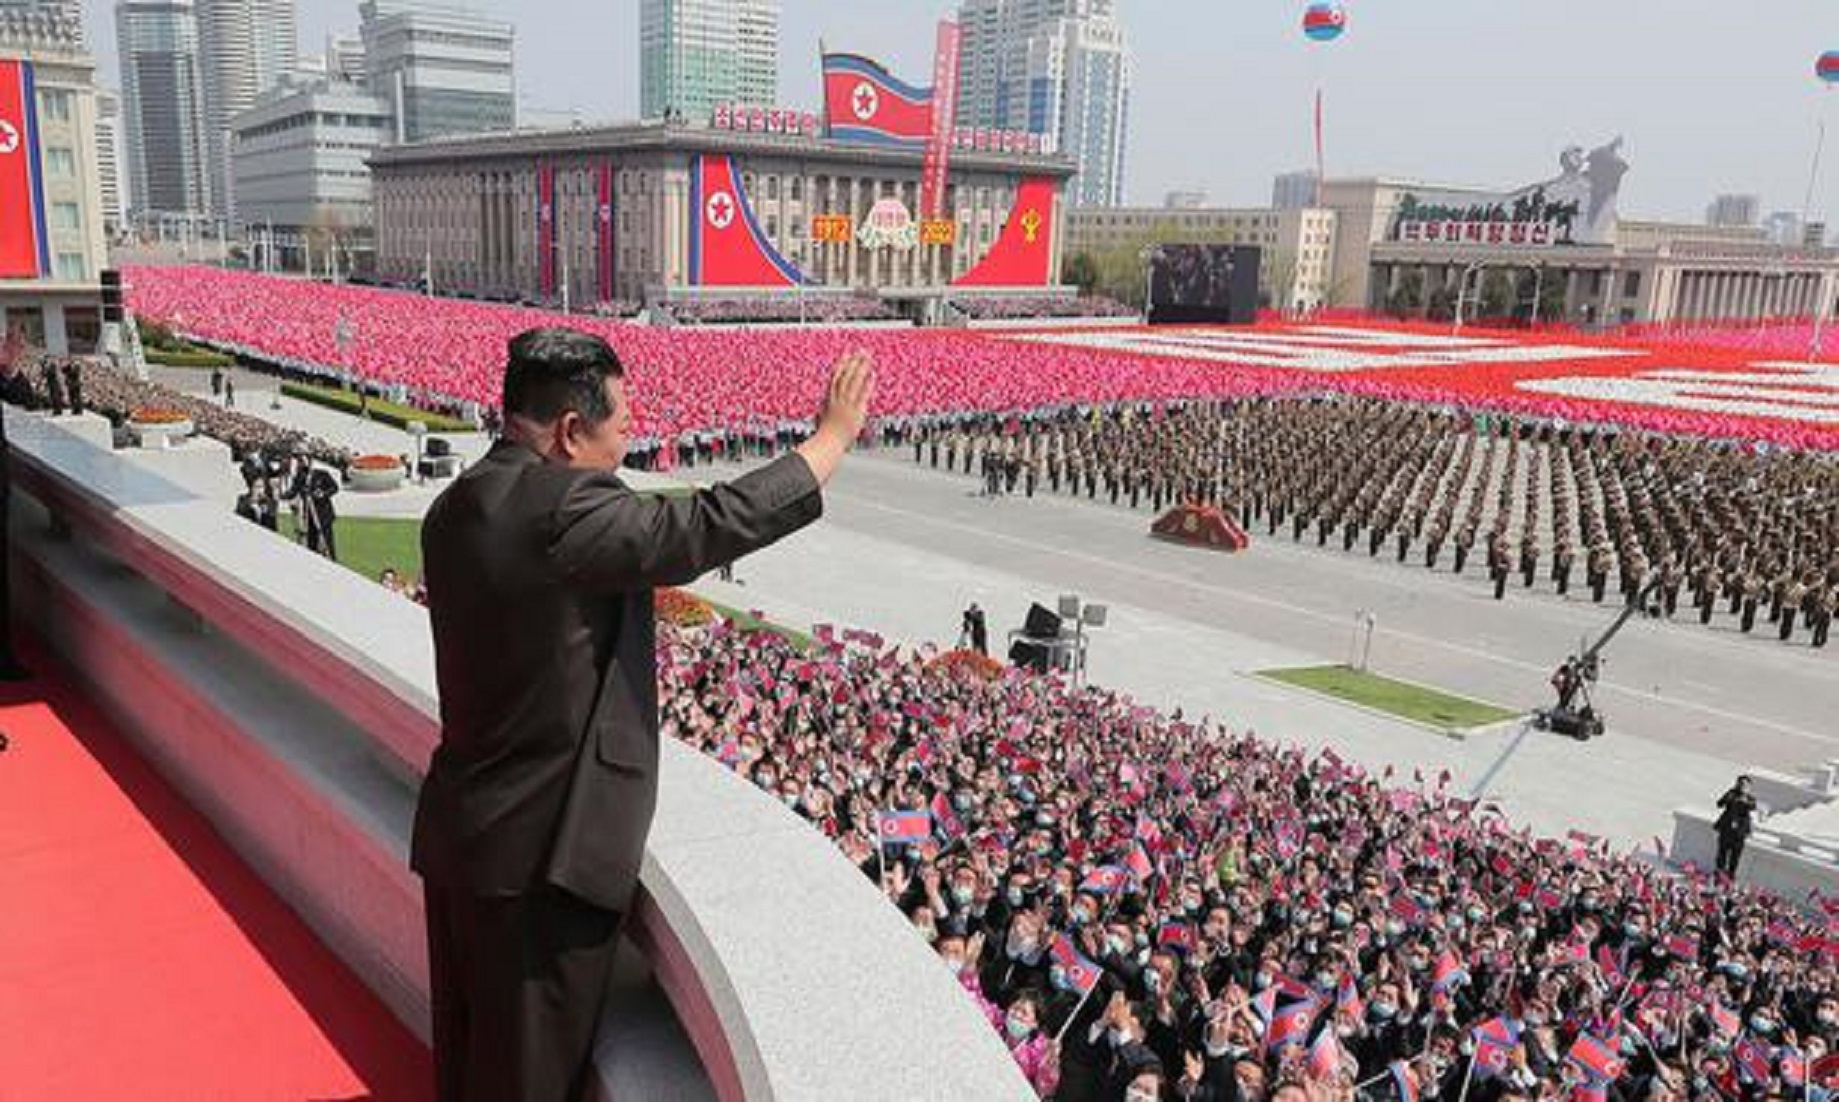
546	228
1023	254
937	168
23	244
603	224
727	246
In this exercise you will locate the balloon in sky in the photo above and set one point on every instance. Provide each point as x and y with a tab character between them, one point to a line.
1324	20
1827	68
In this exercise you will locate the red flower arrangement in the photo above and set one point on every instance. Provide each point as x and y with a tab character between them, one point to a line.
153	415
967	663
682	609
376	463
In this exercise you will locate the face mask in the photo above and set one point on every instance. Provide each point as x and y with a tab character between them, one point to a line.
960	894
1217	1050
1762	1025
1080	917
1262	980
1324	980
1015	897
1454	922
1119	1037
1153	981
931	934
1135	1095
1057	976
1534	1018
956	964
1631	931
1343	919
1828	1018
1018	1029
1394	927
1475	914
1142	939
1737	971
1118	945
1467	1047
1346	1031
1382	1012
790	798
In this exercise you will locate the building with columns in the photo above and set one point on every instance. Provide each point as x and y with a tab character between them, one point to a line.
641	213
52	247
1627	271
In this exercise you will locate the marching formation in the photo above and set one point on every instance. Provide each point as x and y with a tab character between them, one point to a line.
1728	530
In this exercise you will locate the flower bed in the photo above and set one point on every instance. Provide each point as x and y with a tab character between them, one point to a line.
682	609
376	473
967	663
157	427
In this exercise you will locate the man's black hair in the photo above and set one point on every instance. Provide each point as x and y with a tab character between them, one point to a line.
553	370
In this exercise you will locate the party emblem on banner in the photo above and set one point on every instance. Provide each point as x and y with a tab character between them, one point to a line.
9	136
1031	224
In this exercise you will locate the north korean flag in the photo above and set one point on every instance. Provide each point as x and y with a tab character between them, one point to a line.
946	816
863	102
903	828
1078	974
1105	880
727	246
1494	1044
1754	1060
1448	973
1403	1081
24	242
1290	1024
1139	864
1596	1059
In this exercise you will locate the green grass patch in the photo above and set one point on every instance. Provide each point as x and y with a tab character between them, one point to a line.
1414	703
196	357
388	413
368	544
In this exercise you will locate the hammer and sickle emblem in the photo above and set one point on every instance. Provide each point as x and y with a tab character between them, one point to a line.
1031	224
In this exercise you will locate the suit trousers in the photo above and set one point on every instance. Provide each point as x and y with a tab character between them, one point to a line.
517	985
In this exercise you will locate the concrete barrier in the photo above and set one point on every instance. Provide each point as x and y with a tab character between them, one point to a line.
235	661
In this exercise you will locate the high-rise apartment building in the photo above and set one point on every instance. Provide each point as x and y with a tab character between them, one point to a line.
109	150
442	69
694	54
163	107
1734	210
245	47
1060	68
1294	190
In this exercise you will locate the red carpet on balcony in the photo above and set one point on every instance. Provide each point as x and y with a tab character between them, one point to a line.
140	958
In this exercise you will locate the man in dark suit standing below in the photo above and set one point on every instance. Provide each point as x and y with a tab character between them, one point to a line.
1736	811
14	390
540	565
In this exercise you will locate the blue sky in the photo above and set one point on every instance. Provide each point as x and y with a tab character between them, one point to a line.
1711	95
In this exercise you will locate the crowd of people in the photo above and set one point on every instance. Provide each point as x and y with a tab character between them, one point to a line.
72	384
1023	307
1728	531
1154	907
814	309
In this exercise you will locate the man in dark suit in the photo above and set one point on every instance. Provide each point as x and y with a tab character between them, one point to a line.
1736	814
531	825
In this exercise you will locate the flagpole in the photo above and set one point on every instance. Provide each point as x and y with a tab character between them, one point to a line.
1074	1016
1467	1078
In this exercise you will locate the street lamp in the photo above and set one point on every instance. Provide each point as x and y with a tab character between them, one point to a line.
1083	615
1538	290
1462	289
1148	255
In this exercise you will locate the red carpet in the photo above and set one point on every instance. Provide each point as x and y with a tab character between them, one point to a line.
140	958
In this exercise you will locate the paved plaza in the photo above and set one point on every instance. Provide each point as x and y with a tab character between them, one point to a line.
903	549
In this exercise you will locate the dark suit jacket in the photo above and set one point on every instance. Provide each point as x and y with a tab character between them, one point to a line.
540	593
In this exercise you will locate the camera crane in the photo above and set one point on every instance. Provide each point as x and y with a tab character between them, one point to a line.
1575	713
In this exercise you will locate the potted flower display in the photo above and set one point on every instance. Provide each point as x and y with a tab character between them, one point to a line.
158	426
373	474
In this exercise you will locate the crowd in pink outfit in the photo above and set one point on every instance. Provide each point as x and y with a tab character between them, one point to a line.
1793	338
682	379
696	379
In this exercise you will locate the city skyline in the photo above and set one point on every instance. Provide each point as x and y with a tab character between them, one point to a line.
1251	74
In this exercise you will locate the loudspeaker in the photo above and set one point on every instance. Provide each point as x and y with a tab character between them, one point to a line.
111	295
437	448
1041	623
1027	655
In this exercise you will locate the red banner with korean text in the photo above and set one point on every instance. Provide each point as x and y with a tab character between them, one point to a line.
546	228
24	244
937	167
603	237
